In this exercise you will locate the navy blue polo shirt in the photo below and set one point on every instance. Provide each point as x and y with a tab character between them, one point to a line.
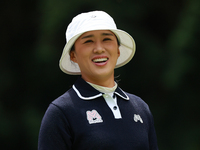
80	119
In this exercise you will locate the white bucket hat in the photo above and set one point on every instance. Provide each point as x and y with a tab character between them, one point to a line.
95	20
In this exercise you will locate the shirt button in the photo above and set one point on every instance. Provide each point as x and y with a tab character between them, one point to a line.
115	107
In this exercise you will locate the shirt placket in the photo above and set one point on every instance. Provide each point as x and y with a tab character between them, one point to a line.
112	103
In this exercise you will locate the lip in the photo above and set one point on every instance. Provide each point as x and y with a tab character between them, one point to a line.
100	63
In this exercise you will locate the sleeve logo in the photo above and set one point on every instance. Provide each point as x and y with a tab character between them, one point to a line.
93	117
137	118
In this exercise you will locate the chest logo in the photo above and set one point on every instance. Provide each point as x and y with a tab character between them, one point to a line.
137	118
93	117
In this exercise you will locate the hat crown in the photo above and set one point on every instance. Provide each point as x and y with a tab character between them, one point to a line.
89	21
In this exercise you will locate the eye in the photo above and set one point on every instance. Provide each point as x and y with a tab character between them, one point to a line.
88	41
106	39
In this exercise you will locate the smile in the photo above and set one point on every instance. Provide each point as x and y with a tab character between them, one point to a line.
100	60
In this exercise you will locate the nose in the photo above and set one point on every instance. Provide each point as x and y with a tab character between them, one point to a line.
99	48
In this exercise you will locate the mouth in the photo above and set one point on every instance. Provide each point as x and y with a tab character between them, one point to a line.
100	60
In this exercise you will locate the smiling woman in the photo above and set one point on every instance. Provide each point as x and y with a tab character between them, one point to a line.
95	113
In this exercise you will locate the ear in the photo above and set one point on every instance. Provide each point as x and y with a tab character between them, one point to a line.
73	56
118	52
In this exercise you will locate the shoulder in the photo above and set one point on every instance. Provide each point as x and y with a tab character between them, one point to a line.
63	102
64	98
60	107
138	102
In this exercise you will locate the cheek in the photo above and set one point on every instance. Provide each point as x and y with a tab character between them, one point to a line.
81	56
112	47
116	51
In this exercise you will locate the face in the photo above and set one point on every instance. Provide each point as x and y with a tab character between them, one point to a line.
96	53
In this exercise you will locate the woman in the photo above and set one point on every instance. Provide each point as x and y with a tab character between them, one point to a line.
95	114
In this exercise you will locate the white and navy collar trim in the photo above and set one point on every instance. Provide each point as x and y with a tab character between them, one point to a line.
87	92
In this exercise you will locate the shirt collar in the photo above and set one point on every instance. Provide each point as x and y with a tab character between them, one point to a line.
87	92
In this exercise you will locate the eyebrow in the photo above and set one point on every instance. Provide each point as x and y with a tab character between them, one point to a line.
91	35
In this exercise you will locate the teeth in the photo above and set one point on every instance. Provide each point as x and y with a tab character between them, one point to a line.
100	59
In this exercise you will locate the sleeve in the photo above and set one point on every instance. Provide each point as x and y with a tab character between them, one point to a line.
152	135
144	108
54	131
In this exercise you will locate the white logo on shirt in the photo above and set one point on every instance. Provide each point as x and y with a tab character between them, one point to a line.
93	117
137	118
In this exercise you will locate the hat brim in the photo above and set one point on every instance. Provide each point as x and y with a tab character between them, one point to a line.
127	50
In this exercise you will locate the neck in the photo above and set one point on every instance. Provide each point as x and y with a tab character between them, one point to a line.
103	89
106	82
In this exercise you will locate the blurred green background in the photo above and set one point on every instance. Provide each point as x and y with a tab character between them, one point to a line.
164	71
